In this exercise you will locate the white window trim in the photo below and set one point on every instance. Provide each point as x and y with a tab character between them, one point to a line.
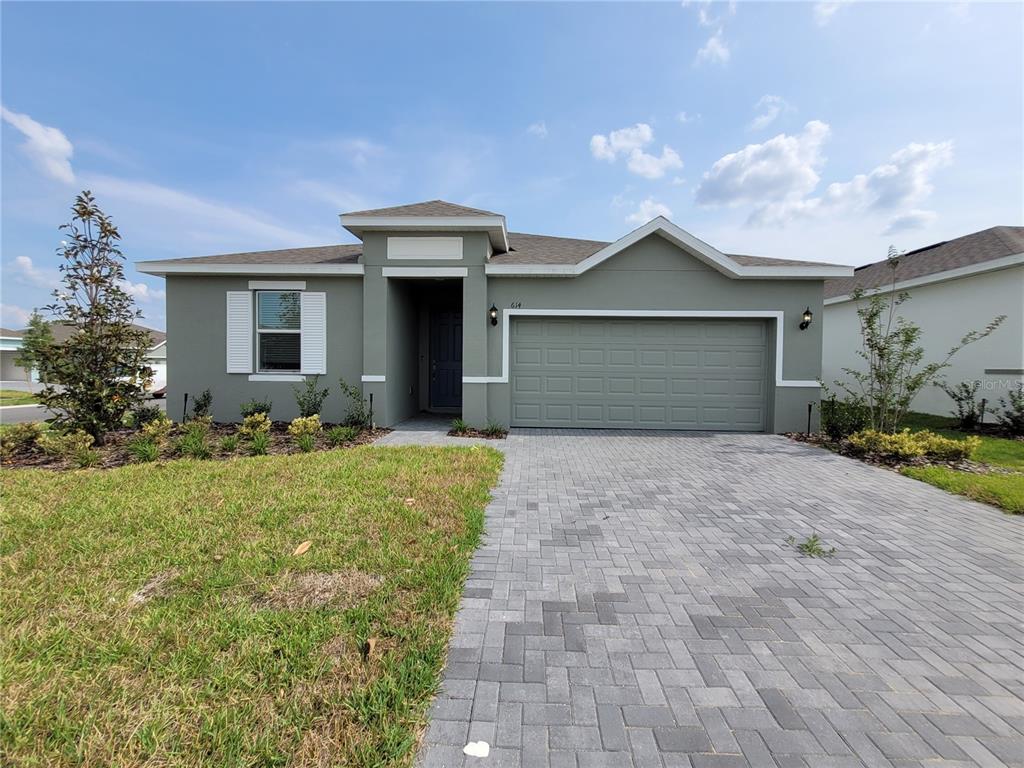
256	326
777	315
277	377
373	378
277	285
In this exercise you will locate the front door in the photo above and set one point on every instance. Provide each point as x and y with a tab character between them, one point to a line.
445	359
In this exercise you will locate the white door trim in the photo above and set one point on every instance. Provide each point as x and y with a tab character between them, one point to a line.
424	272
777	315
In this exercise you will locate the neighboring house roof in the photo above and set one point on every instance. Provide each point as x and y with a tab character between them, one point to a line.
62	332
979	248
10	333
426	208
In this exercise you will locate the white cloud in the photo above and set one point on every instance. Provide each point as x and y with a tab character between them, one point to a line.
651	166
26	272
647	210
783	168
197	213
142	292
538	129
48	147
705	17
13	316
630	142
715	50
769	107
914	219
687	117
621	141
825	10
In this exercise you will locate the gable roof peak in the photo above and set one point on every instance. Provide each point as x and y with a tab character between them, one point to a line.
426	208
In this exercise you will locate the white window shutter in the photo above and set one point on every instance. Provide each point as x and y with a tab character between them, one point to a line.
314	332
239	332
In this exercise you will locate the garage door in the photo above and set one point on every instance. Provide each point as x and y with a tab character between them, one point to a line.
639	373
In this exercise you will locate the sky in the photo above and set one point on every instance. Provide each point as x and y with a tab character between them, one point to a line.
825	131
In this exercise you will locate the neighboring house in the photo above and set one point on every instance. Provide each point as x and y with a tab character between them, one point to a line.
10	345
11	342
955	286
441	308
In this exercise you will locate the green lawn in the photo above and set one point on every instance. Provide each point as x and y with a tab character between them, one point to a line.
157	614
16	397
1004	491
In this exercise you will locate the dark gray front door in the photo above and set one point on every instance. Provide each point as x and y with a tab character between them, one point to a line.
445	359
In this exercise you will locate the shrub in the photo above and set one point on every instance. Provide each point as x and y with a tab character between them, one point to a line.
304	431
86	457
459	426
194	441
841	418
158	430
969	411
202	403
254	407
65	444
229	443
255	424
260	443
494	429
911	445
1012	417
144	414
359	414
143	450
342	434
947	448
21	437
310	399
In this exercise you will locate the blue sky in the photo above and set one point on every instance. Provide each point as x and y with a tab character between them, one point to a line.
821	131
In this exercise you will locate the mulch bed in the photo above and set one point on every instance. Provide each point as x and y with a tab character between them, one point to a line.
473	432
114	452
843	448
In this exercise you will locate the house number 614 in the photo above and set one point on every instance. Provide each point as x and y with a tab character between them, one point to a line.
516	305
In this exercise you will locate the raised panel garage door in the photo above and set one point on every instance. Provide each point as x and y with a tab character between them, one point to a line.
639	373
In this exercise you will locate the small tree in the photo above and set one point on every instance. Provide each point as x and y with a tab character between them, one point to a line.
37	343
99	373
891	348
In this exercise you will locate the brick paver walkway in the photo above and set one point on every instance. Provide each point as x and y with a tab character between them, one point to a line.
635	603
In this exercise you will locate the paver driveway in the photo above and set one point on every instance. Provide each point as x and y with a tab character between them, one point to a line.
635	603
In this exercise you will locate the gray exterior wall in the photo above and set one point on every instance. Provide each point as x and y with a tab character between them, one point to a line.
375	327
196	320
655	274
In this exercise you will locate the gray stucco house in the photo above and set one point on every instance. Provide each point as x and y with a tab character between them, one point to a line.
441	308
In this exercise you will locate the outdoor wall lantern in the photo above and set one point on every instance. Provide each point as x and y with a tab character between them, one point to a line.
493	314
808	316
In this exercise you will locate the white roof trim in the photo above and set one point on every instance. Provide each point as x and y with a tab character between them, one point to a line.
493	225
163	268
424	271
1016	259
683	239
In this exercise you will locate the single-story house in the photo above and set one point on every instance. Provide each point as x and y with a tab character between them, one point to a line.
11	342
955	286
10	345
441	308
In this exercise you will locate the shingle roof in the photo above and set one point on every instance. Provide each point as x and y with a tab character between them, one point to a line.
976	248
426	208
62	332
544	249
10	333
322	254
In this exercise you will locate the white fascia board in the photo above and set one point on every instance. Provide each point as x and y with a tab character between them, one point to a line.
162	269
683	239
494	225
424	271
771	314
157	346
1015	260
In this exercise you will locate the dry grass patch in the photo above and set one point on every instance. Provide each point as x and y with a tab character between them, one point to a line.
168	615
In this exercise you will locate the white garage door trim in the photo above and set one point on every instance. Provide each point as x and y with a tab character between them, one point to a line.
776	315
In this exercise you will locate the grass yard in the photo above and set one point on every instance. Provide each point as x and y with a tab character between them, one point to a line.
16	397
1005	491
162	614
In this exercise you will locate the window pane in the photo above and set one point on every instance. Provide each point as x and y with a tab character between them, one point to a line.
280	351
278	309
